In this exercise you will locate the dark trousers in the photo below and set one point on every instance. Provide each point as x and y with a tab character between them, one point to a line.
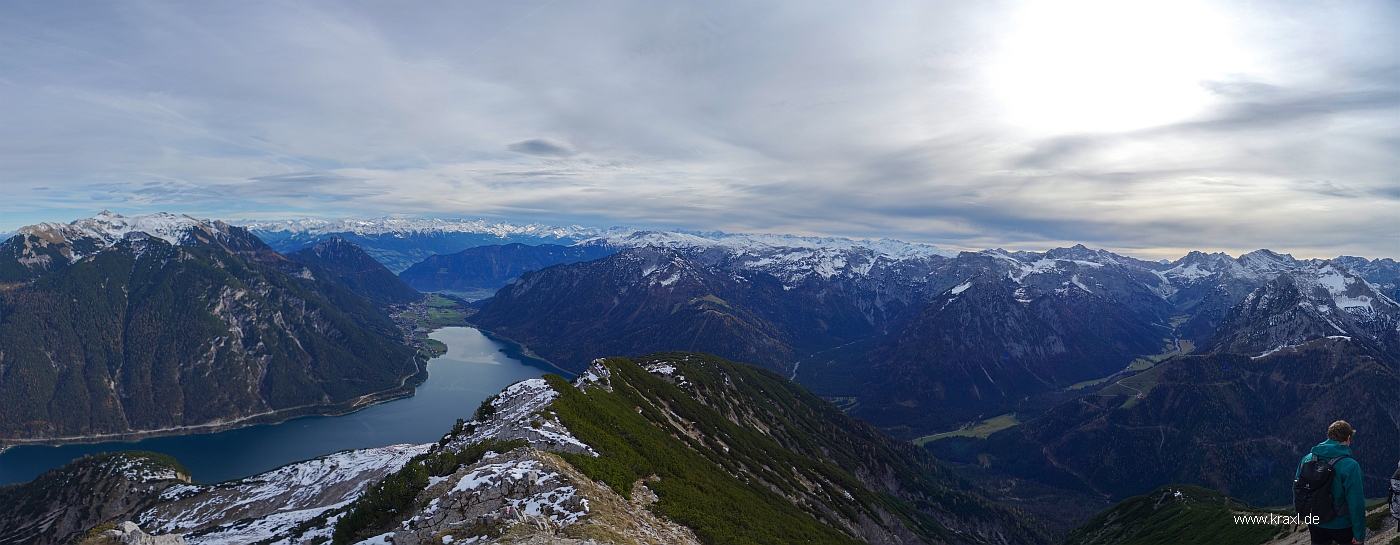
1325	536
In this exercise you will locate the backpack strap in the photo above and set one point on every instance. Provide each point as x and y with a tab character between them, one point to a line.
1330	464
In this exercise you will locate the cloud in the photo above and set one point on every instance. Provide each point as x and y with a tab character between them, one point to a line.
825	118
540	146
304	184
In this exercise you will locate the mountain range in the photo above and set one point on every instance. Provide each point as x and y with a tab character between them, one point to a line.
1312	345
399	243
485	269
113	327
1117	375
920	339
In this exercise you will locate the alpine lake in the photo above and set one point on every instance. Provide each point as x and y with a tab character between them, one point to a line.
473	368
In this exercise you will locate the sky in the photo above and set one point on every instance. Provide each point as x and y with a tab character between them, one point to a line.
1148	128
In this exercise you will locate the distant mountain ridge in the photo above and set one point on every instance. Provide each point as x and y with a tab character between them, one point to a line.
1299	344
400	243
488	268
847	316
357	271
648	299
1310	301
404	226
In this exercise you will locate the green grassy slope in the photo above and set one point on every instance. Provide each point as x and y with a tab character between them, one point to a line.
1176	515
739	443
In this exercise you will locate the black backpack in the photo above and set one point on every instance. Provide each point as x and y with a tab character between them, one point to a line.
1312	490
1395	494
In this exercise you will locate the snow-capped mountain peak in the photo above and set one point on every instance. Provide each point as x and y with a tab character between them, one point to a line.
764	244
791	258
107	228
405	226
48	246
1312	300
165	226
1267	263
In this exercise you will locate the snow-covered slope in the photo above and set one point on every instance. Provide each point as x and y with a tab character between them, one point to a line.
43	247
107	228
526	493
1314	300
518	413
270	504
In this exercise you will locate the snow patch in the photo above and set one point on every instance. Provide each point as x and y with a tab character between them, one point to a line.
667	372
381	539
257	508
520	414
1348	303
596	376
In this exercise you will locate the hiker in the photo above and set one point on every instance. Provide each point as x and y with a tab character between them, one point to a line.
1328	486
1395	494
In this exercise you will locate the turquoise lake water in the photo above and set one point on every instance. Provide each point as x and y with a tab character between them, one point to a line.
474	368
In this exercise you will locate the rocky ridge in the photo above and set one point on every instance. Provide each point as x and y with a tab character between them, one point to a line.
1307	302
63	503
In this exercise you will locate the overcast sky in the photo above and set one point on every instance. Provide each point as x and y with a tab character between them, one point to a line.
1150	128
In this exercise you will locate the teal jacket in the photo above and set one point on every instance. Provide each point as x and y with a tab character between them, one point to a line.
1347	493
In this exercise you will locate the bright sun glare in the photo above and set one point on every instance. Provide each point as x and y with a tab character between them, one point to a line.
1096	65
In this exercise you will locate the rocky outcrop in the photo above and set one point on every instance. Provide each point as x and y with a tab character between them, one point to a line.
529	494
129	533
65	502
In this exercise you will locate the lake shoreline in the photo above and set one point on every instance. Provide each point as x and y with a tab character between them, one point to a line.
473	368
521	352
408	385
